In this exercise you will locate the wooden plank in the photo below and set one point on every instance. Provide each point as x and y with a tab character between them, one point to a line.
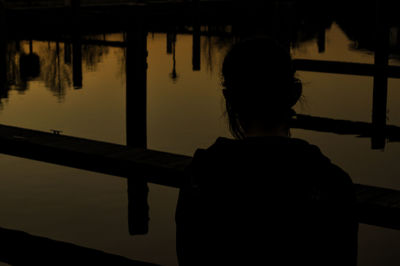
376	206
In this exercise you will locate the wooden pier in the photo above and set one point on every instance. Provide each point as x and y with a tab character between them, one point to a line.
376	206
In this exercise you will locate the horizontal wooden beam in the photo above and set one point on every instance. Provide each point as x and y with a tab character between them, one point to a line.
343	68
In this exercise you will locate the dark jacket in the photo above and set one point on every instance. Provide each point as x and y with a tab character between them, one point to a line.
266	199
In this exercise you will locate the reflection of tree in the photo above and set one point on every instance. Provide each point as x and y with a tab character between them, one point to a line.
217	40
57	72
56	75
122	62
93	55
208	48
29	64
174	75
13	76
55	66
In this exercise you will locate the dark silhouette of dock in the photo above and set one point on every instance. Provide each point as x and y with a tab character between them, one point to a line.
20	248
376	206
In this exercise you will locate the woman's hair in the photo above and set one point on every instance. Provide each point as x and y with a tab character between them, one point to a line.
259	84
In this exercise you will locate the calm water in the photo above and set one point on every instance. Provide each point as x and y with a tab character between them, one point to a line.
183	113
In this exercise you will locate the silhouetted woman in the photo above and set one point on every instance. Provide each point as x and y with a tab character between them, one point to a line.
264	198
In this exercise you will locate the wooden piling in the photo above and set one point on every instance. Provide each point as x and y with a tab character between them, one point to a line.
138	207
3	49
136	121
379	105
136	85
3	64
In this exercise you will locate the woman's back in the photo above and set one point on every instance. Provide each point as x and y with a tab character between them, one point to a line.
260	199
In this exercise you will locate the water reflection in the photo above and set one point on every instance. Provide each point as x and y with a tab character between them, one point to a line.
59	65
20	248
67	57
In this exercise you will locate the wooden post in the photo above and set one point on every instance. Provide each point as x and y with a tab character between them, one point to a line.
138	207
136	122
3	62
136	86
3	50
76	60
379	105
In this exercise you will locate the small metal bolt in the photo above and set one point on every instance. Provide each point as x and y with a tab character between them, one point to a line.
55	131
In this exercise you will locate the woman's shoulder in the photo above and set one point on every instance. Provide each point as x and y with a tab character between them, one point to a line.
297	155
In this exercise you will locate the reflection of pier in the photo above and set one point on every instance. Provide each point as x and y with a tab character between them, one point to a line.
189	22
346	68
376	206
20	248
77	61
380	71
343	127
136	122
3	53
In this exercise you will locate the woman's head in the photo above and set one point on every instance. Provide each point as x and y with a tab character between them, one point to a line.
259	85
